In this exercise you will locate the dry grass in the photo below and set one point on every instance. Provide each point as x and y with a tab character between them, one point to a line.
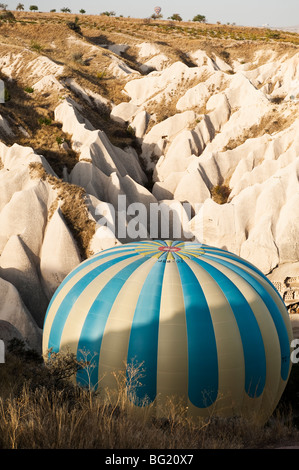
73	208
269	124
52	35
220	193
40	408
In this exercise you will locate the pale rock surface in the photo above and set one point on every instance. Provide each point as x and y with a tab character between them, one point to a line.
159	85
26	214
124	112
21	268
94	145
90	96
18	158
8	333
140	123
13	311
158	62
165	132
165	189
4	126
147	49
59	253
120	69
191	188
48	82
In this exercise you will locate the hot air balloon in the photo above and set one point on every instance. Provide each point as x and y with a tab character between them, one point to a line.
207	326
157	10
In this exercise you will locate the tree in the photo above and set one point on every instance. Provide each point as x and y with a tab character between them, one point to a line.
3	6
108	13
200	18
33	8
82	11
176	17
65	10
156	16
20	7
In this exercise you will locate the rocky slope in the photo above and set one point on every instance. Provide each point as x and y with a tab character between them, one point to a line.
90	117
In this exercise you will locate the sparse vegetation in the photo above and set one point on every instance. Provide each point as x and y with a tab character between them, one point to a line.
29	89
74	26
273	34
65	10
73	208
108	13
78	57
7	16
220	193
200	18
41	408
36	46
45	120
176	17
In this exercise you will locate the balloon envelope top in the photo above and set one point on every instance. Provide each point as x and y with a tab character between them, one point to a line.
204	325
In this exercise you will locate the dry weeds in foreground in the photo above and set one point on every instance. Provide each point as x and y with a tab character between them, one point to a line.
41	409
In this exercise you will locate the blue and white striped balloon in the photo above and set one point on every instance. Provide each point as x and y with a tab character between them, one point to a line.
206	325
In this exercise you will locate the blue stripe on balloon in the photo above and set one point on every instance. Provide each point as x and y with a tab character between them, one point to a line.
95	259
143	343
212	251
273	310
202	349
252	341
72	296
94	325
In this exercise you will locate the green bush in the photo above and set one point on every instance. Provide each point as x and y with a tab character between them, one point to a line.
45	120
29	89
36	46
200	18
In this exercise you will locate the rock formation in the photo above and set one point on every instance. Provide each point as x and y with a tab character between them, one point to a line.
211	125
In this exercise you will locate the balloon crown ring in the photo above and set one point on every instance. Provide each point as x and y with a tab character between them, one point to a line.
168	250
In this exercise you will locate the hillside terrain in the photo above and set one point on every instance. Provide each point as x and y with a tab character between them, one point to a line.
161	112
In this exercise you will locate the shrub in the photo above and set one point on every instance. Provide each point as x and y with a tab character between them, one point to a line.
108	13
78	57
7	96
200	18
59	140
273	34
74	26
101	75
220	193
175	17
29	89
7	16
36	46
45	120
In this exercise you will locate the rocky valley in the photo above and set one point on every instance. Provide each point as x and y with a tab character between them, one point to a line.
180	115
